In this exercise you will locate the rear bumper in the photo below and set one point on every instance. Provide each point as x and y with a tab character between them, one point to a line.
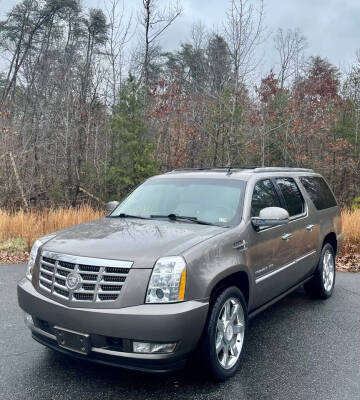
182	323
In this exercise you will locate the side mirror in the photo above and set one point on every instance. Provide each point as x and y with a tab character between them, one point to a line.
111	205
271	216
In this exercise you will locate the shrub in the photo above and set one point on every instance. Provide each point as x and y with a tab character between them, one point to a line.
356	204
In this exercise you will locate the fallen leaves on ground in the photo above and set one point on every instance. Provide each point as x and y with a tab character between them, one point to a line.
348	262
9	257
349	258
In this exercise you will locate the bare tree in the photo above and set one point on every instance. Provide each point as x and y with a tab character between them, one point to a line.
351	91
120	33
198	35
96	36
244	32
290	46
22	26
62	140
155	22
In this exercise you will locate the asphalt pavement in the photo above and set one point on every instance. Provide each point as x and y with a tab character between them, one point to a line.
297	349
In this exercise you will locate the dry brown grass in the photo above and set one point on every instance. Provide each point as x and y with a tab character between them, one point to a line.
20	229
351	229
31	225
349	257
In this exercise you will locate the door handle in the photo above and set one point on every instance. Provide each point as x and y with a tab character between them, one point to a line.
286	236
310	227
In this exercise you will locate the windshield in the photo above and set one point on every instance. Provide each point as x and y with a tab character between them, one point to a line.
211	200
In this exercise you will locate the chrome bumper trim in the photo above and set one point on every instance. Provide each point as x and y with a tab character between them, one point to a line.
99	350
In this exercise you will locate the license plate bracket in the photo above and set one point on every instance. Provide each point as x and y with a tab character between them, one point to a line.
71	340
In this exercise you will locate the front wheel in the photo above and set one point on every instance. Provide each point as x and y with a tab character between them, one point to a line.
322	284
225	334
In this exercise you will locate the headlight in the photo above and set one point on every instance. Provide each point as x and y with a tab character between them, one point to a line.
32	258
34	252
168	280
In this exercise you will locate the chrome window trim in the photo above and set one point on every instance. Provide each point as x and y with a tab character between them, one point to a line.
272	273
293	218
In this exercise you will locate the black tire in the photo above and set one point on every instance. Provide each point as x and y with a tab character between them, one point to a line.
317	286
208	354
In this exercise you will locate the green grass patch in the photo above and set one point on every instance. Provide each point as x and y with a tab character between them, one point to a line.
13	245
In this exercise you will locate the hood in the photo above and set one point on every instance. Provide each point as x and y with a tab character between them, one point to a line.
140	241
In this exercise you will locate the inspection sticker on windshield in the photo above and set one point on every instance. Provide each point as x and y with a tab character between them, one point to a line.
223	219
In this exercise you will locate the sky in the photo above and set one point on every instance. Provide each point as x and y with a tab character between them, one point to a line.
331	27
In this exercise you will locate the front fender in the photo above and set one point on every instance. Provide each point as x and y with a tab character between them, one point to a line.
226	275
211	262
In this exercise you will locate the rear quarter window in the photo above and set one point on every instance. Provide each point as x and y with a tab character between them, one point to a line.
318	191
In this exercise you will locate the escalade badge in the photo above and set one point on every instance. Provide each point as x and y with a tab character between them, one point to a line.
73	281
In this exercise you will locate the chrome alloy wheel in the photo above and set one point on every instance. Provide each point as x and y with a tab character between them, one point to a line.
230	329
328	271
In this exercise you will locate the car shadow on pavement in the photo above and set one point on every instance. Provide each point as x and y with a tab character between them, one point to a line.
273	342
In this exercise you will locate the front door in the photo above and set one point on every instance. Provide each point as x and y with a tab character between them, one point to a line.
283	255
266	248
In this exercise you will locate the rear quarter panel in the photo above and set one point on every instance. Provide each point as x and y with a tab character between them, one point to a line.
328	220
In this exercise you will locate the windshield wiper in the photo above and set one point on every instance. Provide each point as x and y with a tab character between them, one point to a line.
175	217
123	215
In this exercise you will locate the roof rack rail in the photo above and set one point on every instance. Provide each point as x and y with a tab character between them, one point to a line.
229	170
220	169
282	169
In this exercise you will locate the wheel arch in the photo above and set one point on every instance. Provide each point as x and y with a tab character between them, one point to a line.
238	278
331	239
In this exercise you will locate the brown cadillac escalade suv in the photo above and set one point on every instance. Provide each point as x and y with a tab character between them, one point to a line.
180	265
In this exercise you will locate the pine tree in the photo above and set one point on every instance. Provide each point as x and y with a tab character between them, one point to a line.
131	158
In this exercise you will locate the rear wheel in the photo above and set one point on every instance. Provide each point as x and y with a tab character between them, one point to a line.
322	284
225	334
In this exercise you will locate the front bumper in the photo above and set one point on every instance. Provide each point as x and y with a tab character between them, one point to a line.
179	322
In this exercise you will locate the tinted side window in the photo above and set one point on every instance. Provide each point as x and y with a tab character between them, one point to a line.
264	195
293	199
318	191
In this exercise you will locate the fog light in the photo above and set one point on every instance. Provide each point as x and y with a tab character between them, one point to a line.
150	348
29	322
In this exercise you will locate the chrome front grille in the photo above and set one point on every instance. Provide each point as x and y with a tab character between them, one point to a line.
97	280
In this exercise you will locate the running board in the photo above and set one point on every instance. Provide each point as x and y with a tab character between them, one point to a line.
276	299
